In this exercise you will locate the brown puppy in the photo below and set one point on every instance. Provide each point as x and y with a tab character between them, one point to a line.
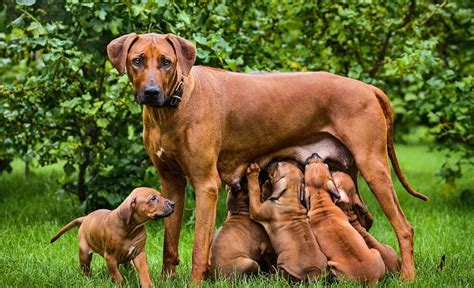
119	235
348	255
225	118
240	246
286	222
348	201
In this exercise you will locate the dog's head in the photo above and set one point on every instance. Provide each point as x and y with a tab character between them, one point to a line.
144	204
317	175
238	199
282	175
154	63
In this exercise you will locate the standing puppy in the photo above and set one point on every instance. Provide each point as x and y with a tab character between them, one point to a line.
349	200
119	235
285	220
348	255
240	246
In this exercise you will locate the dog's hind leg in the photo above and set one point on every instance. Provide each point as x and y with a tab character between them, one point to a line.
365	135
85	257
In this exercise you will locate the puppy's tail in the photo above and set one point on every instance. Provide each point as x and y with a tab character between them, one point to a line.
388	112
67	227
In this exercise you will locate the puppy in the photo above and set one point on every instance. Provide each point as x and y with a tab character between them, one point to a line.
119	235
285	220
348	255
348	202
240	246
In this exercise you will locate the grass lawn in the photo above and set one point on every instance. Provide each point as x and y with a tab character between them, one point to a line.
31	212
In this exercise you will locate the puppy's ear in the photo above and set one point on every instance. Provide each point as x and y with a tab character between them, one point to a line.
117	50
185	52
232	205
304	196
344	198
125	211
333	190
267	189
278	189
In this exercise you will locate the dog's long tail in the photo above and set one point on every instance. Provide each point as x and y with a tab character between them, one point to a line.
67	227
389	115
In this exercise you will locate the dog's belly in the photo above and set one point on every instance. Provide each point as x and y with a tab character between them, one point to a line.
232	166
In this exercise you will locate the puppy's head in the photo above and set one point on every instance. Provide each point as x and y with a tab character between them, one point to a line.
145	204
237	199
317	175
282	175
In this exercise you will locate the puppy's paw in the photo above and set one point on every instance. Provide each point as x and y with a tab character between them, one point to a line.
253	170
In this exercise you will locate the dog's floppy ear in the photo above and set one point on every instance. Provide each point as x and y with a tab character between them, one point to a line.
185	52
125	210
117	51
304	196
232	205
333	190
278	189
266	190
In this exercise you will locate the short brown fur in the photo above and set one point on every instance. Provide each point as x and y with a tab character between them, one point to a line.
119	235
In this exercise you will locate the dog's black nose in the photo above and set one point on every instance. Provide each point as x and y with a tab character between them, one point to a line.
171	204
152	93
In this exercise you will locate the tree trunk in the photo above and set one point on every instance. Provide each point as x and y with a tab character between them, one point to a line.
81	182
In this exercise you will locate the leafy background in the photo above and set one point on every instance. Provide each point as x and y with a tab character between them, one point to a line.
61	101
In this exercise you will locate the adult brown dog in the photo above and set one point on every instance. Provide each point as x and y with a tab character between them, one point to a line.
208	124
240	246
119	235
284	218
348	202
348	254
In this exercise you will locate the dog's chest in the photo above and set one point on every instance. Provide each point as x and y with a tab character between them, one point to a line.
132	252
160	153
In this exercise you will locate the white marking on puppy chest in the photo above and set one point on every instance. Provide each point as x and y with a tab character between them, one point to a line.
160	152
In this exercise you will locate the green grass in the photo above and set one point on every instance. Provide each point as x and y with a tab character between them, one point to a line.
30	213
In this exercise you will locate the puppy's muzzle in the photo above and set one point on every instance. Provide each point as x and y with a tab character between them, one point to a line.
167	210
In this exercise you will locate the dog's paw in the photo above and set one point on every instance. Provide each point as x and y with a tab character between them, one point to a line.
253	170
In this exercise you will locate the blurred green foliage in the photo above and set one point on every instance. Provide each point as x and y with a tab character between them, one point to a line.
61	100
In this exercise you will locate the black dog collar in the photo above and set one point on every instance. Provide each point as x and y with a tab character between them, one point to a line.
177	94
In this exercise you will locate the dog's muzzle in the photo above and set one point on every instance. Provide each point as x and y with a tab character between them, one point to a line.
167	210
151	95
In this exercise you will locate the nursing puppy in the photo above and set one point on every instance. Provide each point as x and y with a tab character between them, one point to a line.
119	235
240	246
285	220
350	199
347	253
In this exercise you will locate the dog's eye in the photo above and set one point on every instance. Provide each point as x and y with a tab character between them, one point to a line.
153	198
165	63
137	61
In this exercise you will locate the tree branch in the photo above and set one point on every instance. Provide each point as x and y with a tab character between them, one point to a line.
383	50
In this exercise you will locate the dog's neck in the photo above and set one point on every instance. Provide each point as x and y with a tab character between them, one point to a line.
130	225
165	117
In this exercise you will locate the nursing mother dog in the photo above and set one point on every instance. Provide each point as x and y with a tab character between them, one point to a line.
207	125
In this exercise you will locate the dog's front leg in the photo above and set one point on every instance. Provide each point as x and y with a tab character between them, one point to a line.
141	266
114	272
207	189
173	188
258	211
